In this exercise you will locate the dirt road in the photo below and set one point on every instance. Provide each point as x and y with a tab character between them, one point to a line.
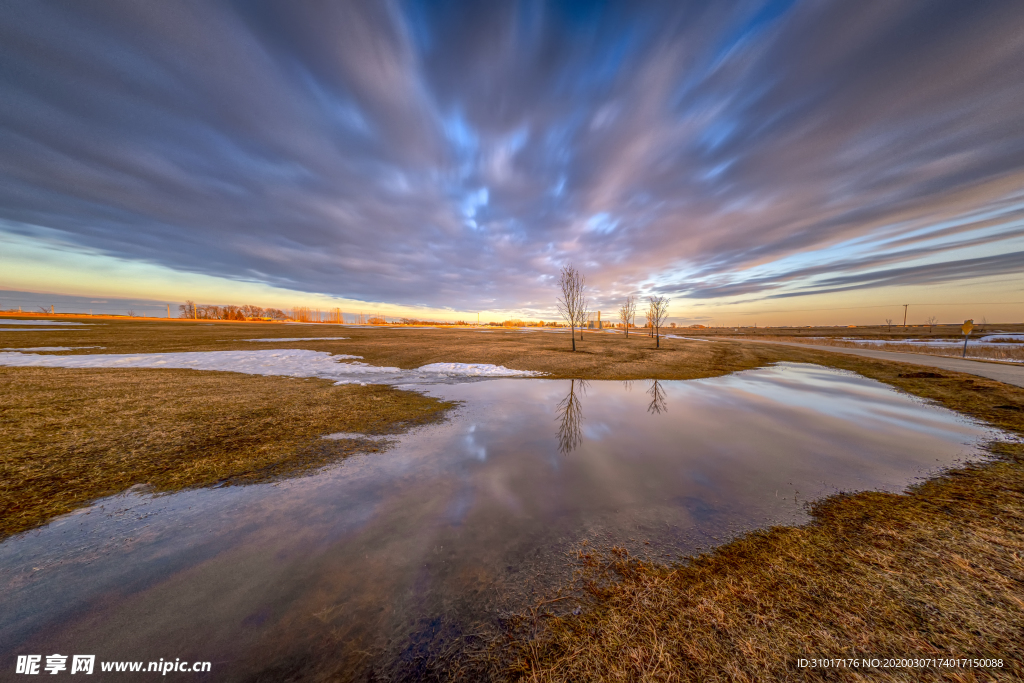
1001	372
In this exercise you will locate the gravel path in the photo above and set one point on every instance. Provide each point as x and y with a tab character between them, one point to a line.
1001	372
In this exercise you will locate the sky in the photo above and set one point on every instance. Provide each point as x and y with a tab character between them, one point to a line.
758	162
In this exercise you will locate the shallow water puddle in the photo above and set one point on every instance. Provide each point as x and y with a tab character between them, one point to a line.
459	521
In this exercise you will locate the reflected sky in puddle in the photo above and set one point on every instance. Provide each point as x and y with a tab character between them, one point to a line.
459	521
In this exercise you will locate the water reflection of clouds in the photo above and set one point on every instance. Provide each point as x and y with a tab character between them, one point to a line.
460	506
596	431
474	448
816	391
430	526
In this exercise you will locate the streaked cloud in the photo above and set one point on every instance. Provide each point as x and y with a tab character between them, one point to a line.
455	154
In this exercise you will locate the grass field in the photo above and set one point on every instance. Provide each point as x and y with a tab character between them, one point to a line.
934	573
937	572
600	355
71	436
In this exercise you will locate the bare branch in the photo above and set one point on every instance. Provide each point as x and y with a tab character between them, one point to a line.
657	406
627	313
656	314
572	305
570	412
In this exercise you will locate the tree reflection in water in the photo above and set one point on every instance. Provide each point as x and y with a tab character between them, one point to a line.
657	394
570	412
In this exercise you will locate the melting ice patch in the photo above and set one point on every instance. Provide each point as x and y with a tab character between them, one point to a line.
675	336
19	321
987	340
285	362
338	436
51	348
292	339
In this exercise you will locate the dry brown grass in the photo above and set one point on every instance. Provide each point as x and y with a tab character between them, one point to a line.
600	355
937	573
71	436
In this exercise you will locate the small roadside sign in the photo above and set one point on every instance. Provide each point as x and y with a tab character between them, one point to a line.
967	327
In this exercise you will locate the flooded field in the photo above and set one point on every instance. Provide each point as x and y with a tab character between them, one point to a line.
375	562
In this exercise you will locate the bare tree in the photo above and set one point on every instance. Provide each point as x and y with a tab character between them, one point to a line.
570	413
657	315
930	322
572	305
251	311
888	322
657	406
627	313
187	309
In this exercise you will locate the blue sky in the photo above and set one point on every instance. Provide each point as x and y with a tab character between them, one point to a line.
449	157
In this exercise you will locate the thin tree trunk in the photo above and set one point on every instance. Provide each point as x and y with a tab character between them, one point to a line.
572	334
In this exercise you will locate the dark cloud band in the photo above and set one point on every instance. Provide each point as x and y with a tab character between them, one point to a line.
455	154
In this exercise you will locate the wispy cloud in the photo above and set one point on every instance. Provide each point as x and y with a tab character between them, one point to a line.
455	154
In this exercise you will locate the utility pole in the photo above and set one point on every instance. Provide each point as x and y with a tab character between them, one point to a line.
905	314
168	310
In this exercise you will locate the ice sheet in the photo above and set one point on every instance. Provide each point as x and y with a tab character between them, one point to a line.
20	321
285	362
289	339
51	348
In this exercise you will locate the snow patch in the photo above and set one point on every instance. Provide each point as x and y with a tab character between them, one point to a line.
289	339
675	336
52	348
19	321
284	362
338	436
1004	338
988	340
476	370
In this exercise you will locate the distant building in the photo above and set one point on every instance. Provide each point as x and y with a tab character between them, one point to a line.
593	324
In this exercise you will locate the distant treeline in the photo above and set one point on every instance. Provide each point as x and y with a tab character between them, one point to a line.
516	322
414	321
194	311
